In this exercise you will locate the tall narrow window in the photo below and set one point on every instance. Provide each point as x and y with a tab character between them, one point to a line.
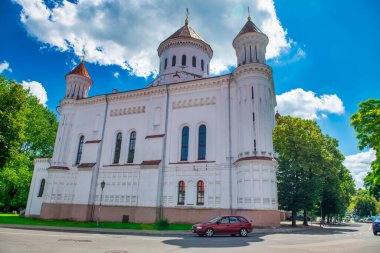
174	59
194	61
250	54
256	54
80	148
131	150
253	116
202	143
181	193
245	55
42	187
254	145
116	157
166	63
200	193
253	95
185	143
202	65
183	60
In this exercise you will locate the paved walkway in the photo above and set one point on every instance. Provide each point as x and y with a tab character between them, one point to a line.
274	230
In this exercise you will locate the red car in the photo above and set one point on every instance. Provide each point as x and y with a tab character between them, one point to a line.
226	225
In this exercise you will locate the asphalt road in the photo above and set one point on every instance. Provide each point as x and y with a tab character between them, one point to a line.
345	238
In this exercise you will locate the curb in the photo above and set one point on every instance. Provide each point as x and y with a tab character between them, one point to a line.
145	232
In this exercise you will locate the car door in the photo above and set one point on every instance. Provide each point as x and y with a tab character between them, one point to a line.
222	226
235	225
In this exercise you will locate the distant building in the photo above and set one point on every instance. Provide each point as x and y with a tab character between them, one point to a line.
187	147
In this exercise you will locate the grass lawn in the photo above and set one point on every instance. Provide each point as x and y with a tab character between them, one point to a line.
16	219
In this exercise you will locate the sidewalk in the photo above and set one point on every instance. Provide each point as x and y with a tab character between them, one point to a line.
281	229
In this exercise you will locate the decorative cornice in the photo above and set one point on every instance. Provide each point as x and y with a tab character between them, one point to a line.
193	102
253	68
185	42
126	111
200	84
42	160
257	158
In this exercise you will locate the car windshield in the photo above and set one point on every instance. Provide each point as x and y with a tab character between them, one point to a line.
213	220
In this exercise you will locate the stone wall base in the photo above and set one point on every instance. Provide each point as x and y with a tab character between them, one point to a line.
148	214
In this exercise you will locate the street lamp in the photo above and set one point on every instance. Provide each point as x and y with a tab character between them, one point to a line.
102	184
320	204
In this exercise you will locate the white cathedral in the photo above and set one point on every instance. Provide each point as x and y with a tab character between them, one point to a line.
187	147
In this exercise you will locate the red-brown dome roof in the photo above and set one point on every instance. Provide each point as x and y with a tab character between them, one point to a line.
80	70
248	28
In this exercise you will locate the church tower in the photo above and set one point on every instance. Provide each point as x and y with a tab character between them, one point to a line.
184	56
78	82
256	101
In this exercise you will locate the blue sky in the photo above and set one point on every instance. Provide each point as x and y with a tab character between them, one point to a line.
324	53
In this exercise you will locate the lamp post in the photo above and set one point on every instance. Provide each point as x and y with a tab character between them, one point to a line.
102	184
320	204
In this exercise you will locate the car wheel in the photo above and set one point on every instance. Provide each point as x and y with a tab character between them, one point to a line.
243	232
375	233
209	232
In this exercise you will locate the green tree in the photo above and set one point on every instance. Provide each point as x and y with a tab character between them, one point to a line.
35	132
298	144
366	123
338	186
12	118
365	205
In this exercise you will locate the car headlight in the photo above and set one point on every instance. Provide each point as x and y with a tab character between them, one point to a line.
199	227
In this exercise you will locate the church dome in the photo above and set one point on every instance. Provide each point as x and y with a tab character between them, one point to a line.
250	44
78	82
80	70
184	56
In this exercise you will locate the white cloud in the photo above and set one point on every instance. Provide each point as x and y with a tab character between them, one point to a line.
307	105
37	90
5	66
116	74
359	164
127	33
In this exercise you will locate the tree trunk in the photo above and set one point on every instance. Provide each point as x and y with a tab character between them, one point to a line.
305	218
294	216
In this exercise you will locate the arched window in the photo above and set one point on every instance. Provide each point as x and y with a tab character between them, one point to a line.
166	63
131	150
181	193
116	157
202	142
183	60
194	61
174	59
42	187
185	143
80	148
202	65
200	193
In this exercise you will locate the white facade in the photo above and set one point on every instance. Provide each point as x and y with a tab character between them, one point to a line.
238	171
